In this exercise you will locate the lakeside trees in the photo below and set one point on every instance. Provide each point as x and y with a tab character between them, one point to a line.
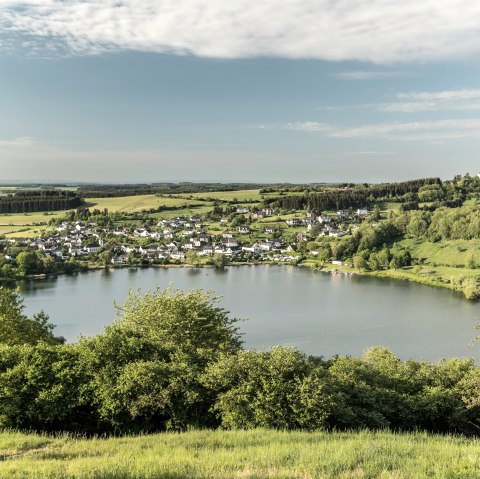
173	360
17	329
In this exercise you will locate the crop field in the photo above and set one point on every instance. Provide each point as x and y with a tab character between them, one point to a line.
241	454
28	224
240	195
133	204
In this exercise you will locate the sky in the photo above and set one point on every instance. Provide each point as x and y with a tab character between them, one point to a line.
238	90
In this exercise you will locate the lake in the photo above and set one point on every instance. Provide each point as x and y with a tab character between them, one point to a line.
320	313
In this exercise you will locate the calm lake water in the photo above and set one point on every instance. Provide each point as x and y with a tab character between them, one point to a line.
320	313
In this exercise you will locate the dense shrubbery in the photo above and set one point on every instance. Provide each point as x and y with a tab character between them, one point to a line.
174	360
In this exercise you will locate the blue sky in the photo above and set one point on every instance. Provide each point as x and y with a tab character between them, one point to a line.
198	90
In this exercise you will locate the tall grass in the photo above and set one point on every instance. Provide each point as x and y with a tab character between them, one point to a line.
241	454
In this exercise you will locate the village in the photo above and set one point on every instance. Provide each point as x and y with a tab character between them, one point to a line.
247	236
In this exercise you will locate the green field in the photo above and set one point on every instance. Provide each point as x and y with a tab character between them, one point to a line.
26	224
440	263
240	195
134	204
241	454
453	253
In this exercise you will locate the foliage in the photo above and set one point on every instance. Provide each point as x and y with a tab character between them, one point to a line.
280	389
39	200
16	328
146	368
173	360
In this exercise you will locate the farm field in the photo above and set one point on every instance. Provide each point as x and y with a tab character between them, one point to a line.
29	224
241	454
133	204
240	195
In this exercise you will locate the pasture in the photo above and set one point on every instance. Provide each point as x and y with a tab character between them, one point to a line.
135	204
241	454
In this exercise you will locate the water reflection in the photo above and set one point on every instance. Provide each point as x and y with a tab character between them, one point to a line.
320	313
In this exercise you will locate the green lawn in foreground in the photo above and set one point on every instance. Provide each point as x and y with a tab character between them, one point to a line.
241	454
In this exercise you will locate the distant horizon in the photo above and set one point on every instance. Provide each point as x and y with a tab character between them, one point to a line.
20	182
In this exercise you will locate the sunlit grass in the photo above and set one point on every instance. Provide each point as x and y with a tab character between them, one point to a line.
240	195
133	204
241	454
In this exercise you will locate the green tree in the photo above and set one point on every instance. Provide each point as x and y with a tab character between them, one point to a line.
280	389
471	262
43	388
376	214
26	262
192	258
106	258
219	260
147	366
16	328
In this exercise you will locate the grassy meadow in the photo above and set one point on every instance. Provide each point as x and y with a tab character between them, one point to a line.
134	204
241	454
26	225
240	195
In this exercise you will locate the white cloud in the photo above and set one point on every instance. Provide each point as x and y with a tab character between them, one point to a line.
452	129
381	31
370	75
446	95
466	99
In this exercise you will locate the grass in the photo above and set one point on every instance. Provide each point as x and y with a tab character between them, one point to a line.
134	204
440	263
241	454
240	195
26	225
453	253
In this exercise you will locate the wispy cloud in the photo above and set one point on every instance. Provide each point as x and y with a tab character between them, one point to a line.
371	75
451	129
465	99
310	126
381	31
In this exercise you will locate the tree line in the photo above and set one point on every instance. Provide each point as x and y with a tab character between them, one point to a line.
110	191
174	360
39	200
352	197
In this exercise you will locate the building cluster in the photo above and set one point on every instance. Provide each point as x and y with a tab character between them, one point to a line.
172	239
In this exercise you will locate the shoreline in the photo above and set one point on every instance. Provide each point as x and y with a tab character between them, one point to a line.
398	275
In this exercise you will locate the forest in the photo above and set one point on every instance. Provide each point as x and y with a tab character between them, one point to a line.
356	196
39	200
